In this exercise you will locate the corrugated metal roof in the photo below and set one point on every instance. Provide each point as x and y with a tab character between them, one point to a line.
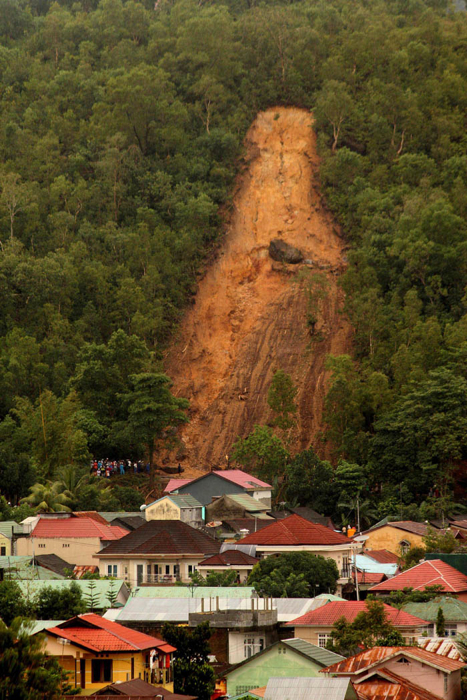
371	657
443	647
385	685
249	549
101	588
21	569
453	610
111	515
306	688
38	625
200	592
318	654
365	563
248	502
7	527
185	500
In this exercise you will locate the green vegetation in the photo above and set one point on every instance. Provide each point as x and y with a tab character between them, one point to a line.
370	628
121	126
192	673
26	672
294	575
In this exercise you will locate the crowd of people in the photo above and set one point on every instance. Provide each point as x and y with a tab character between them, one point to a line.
107	467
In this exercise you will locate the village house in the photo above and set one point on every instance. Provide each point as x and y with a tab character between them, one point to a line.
428	573
285	658
217	483
417	669
69	536
397	537
161	551
95	652
176	507
316	626
229	560
295	534
454	612
236	505
9	532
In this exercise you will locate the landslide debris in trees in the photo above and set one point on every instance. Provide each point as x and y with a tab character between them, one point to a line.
252	314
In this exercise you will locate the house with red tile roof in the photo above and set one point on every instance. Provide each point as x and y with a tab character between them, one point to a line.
160	551
382	556
95	652
316	626
230	560
438	675
433	572
218	483
73	538
296	534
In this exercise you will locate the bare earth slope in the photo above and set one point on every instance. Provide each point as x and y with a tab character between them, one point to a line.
250	313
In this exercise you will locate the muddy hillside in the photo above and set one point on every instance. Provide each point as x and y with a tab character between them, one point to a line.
254	314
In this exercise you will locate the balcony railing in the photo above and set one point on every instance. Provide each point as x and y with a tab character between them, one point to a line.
149	579
158	676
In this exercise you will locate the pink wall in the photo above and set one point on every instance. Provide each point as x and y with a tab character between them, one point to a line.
427	677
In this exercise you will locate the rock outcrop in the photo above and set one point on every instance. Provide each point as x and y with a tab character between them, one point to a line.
284	252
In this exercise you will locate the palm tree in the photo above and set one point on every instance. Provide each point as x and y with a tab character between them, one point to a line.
71	484
364	509
50	497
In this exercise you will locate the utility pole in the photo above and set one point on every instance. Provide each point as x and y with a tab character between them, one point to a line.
358	513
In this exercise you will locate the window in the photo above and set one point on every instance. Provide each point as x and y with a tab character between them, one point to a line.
191	568
63	545
450	630
2	551
282	650
404	546
403	661
445	683
167	568
149	570
323	640
112	570
42	546
101	670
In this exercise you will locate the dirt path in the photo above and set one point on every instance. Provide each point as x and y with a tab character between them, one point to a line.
250	313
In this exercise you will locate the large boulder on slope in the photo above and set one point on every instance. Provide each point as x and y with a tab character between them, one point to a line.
284	252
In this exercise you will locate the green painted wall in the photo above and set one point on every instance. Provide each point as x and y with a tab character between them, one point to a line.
273	662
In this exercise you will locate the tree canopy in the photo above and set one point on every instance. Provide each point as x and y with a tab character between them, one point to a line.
294	575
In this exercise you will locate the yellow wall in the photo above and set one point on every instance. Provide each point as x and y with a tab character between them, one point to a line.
389	538
70	657
163	510
5	542
76	550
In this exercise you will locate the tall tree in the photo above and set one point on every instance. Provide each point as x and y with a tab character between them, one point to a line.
193	675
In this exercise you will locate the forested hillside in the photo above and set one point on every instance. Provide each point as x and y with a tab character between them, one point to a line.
121	127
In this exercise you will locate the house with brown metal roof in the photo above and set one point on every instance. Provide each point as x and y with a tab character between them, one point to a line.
433	572
136	689
230	560
161	551
316	625
438	675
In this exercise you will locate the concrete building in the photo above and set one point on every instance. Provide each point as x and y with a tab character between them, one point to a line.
215	484
176	507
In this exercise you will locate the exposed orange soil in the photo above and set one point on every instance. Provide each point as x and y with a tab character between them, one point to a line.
250	313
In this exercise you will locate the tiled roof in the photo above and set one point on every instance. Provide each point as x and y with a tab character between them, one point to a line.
406	525
137	688
370	578
93	514
100	635
429	573
231	557
129	523
385	685
163	537
327	615
76	527
295	530
371	657
383	556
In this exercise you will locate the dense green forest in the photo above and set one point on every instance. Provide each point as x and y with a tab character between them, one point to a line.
121	127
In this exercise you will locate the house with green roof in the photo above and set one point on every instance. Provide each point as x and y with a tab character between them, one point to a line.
9	531
176	507
26	568
102	591
237	505
454	611
285	658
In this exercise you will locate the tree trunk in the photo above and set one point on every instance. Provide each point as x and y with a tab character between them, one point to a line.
152	476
